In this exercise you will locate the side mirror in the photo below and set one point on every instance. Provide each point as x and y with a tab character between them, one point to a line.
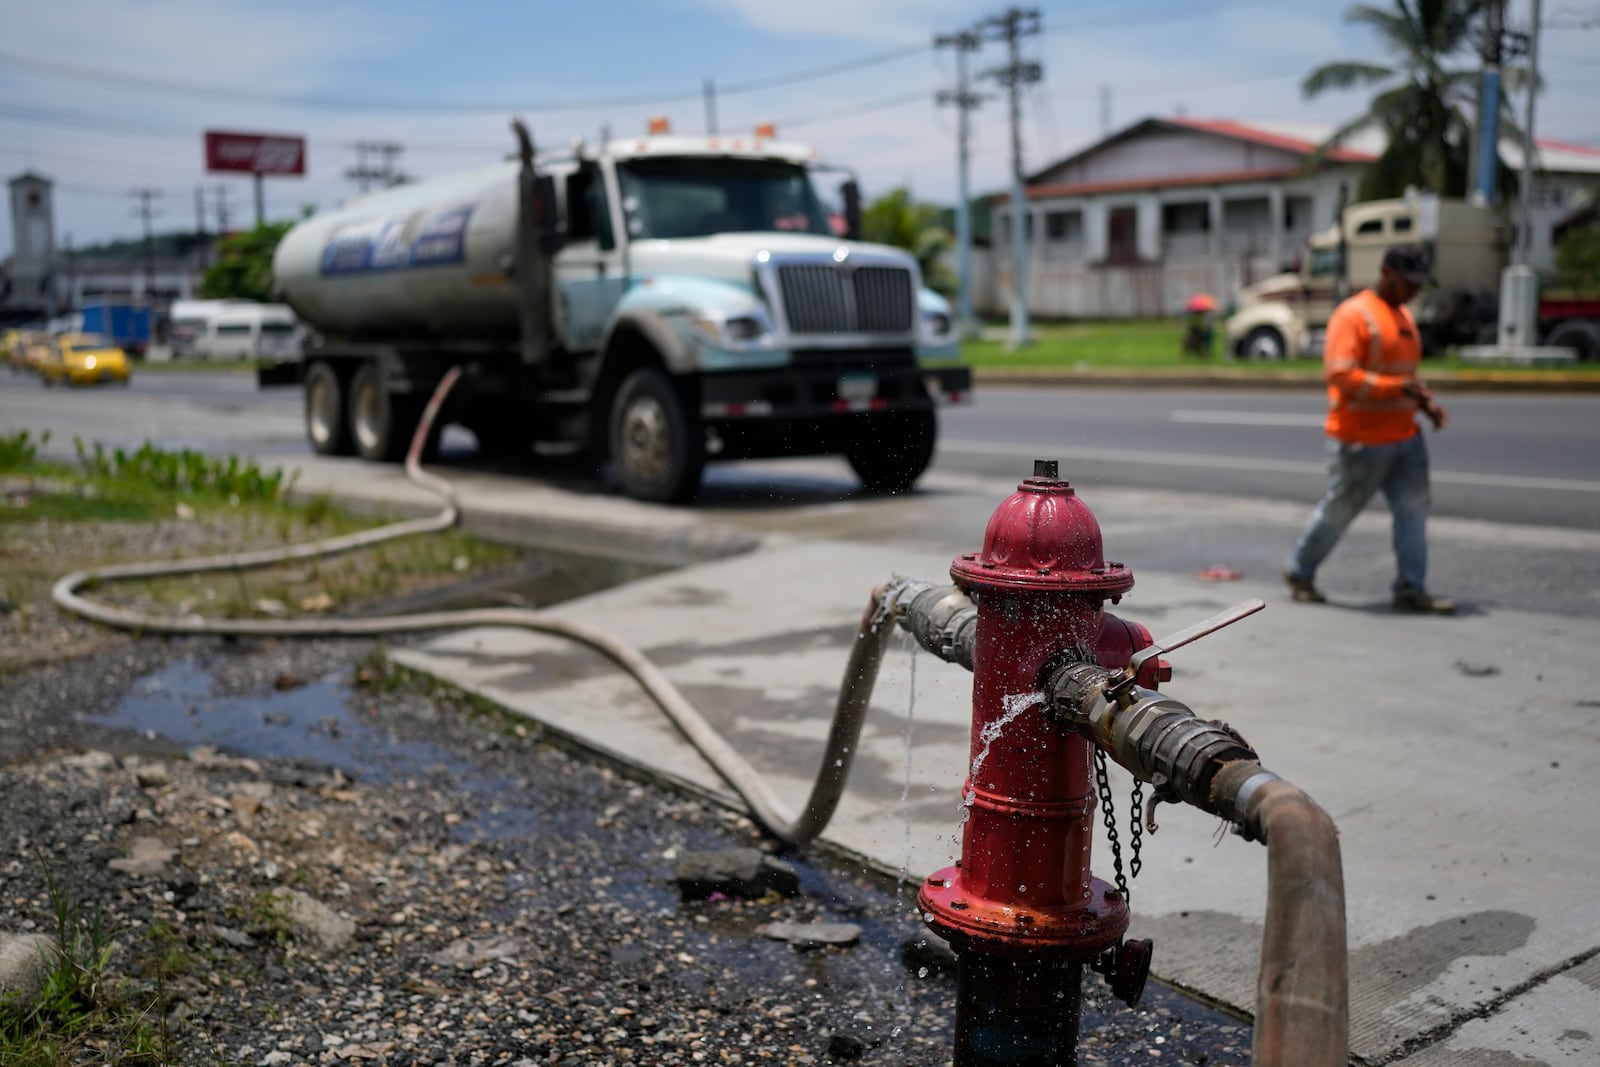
850	193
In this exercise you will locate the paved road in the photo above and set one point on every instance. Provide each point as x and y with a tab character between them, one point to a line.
1204	478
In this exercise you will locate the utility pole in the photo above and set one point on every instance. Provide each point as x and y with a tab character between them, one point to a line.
1488	138
711	107
146	212
965	102
1011	27
1525	187
382	172
221	193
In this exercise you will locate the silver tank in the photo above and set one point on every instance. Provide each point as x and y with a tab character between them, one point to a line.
428	259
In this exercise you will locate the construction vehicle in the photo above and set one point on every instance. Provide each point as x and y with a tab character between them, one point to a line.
1284	316
653	302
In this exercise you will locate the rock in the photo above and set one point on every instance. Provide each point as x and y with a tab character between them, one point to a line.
845	1047
809	935
737	872
149	855
154	775
229	936
25	962
314	921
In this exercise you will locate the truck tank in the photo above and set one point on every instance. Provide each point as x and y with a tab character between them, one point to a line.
429	259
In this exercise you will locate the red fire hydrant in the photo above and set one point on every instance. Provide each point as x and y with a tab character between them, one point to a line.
1020	908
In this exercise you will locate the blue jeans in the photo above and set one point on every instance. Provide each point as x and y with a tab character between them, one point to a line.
1355	474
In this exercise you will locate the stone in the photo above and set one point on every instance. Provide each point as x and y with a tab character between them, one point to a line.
25	962
809	935
737	872
315	922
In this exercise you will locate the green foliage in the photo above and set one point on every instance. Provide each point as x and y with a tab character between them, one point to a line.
896	219
1578	258
1425	107
19	450
244	264
185	472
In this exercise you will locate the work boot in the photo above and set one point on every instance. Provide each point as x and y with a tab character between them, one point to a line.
1302	591
1424	604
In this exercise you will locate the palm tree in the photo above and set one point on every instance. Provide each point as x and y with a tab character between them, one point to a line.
899	220
1426	108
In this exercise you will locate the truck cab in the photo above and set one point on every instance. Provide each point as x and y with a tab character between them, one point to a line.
1285	316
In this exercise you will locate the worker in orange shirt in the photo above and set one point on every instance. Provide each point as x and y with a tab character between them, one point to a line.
1370	361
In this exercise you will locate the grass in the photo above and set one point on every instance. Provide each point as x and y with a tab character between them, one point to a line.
228	504
1155	346
84	1012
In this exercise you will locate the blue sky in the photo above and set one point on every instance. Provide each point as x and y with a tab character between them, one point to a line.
106	95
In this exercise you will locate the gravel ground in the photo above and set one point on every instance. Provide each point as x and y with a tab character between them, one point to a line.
307	861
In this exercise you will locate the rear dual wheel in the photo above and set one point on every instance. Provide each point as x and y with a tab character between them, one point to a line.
382	423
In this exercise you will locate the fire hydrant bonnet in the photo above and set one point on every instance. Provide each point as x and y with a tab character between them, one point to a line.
1042	537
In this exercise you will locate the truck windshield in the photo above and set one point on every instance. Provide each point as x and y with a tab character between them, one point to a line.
664	198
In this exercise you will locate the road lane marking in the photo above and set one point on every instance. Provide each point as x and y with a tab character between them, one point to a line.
1247	418
1247	463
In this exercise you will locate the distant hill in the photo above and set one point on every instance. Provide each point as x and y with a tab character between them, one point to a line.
163	246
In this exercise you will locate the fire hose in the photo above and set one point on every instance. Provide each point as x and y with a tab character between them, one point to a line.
855	691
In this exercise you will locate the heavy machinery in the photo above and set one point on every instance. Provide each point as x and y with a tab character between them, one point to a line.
655	302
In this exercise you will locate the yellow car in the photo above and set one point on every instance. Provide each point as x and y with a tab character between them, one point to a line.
25	349
83	359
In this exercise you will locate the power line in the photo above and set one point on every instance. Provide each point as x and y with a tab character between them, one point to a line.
125	79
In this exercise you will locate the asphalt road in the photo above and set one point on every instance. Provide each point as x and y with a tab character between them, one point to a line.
1181	480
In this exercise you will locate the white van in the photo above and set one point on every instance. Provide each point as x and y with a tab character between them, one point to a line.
187	321
250	331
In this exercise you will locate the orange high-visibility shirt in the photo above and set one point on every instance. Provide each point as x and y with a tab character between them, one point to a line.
1371	351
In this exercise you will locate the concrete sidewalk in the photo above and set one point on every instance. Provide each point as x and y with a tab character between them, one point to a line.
1454	754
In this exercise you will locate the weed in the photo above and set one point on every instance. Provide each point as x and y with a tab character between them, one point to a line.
264	916
19	450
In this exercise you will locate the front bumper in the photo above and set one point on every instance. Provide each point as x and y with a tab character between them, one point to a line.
824	388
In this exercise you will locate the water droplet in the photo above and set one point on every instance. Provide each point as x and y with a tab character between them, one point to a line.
927	916
922	972
1022	889
838	763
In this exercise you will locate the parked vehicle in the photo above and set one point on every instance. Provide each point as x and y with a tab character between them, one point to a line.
187	321
127	325
658	302
249	331
1285	315
83	359
22	348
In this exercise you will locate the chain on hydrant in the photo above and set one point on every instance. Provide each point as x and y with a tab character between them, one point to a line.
1059	686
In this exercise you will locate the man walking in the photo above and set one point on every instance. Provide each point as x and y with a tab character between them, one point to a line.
1370	361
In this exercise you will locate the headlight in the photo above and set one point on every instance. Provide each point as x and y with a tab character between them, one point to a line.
88	362
746	329
936	325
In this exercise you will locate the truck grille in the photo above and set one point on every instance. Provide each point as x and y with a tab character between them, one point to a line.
827	299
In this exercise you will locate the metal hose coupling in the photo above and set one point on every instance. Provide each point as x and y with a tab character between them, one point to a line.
1156	738
942	618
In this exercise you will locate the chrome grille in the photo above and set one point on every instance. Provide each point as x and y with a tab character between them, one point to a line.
820	298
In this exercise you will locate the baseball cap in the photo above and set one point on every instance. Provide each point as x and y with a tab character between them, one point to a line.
1411	263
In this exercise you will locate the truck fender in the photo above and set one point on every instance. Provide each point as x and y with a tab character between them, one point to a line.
1279	315
676	353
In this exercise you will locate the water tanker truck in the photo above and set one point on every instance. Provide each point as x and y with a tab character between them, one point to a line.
655	302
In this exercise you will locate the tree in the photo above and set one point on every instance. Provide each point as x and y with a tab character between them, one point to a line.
243	269
1426	108
896	219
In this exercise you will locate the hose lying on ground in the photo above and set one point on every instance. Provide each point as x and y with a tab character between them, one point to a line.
861	671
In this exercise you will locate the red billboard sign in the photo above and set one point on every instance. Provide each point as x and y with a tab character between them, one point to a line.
255	153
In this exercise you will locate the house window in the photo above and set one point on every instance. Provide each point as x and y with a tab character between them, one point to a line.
1064	226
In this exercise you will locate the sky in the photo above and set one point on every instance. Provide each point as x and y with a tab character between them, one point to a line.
107	96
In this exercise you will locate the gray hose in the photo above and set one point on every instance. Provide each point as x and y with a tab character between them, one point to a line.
855	691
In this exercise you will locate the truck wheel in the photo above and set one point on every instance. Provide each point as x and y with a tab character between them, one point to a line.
327	428
890	452
655	445
381	424
1582	337
1264	342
